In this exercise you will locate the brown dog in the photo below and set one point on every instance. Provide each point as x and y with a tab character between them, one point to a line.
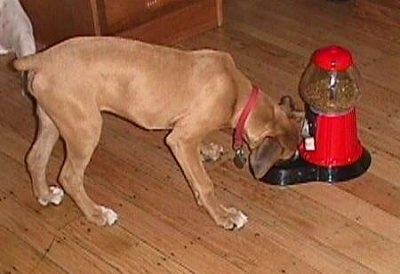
192	93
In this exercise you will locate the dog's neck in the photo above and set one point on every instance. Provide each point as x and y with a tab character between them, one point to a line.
239	133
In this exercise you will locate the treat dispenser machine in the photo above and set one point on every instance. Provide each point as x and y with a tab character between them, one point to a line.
330	149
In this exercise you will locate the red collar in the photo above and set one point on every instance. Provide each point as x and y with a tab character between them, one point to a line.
248	108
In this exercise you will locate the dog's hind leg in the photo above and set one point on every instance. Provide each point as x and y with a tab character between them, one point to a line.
185	147
81	138
38	157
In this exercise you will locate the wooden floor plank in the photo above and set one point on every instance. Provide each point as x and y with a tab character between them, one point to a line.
72	257
28	226
363	213
377	192
16	256
124	250
156	232
295	223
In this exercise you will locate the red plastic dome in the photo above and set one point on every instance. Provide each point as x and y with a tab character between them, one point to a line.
333	58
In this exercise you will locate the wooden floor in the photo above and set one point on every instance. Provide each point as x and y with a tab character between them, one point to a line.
351	227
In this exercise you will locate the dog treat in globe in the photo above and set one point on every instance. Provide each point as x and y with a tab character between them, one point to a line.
338	98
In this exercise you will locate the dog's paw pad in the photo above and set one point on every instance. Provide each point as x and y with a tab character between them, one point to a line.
110	215
55	196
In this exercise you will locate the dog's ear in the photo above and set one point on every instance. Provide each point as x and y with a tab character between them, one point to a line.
265	156
286	103
288	106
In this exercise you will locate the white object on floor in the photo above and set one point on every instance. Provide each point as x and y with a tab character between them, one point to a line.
16	32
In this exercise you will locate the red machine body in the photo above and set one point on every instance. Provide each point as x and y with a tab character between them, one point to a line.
333	140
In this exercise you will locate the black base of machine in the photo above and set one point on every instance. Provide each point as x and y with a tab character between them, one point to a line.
299	171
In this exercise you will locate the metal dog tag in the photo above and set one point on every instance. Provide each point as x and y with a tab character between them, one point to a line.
240	158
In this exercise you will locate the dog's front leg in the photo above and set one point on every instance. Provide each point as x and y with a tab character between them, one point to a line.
186	150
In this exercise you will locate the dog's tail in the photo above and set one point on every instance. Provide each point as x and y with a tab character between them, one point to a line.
28	66
26	63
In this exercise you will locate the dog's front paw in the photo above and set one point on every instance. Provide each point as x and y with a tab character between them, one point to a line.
55	196
103	216
110	215
233	219
211	152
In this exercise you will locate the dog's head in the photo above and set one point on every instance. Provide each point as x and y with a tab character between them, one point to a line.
273	134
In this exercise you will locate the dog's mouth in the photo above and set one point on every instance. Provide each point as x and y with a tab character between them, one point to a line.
287	162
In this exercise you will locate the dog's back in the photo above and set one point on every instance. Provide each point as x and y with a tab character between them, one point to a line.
130	78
